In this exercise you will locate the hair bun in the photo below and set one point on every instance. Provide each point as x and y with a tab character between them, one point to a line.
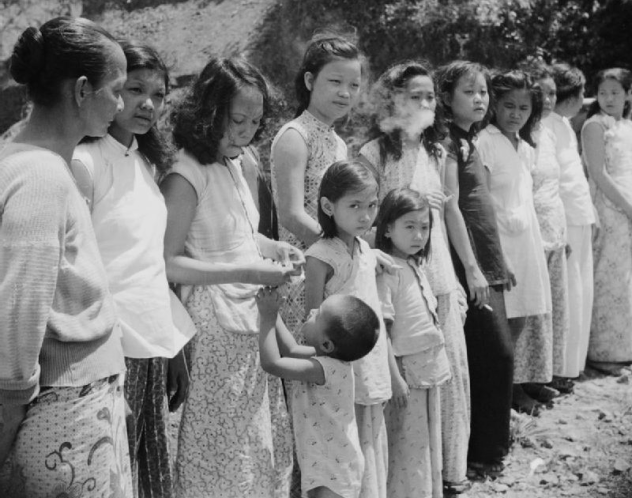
27	59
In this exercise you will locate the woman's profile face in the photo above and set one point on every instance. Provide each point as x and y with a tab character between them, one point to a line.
104	100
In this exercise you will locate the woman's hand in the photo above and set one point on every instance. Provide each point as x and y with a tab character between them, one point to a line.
269	273
11	416
178	380
436	199
478	286
511	276
287	254
401	391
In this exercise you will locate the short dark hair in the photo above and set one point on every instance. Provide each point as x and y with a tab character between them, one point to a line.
569	81
396	204
341	178
153	144
504	83
354	331
322	49
392	81
60	49
200	118
623	76
448	77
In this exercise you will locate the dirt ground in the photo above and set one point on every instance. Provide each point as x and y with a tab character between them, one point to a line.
580	448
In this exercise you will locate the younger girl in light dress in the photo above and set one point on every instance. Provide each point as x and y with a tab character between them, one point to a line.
507	151
343	329
343	263
406	152
117	174
607	151
413	417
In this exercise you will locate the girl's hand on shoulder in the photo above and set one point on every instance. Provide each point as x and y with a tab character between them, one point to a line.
401	391
385	263
268	301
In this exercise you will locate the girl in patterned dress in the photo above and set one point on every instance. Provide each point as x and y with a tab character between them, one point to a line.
343	263
607	150
507	150
406	153
327	86
413	416
235	438
343	329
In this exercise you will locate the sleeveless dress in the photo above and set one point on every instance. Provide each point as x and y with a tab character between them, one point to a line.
354	274
511	188
234	440
549	210
487	333
417	170
324	147
610	334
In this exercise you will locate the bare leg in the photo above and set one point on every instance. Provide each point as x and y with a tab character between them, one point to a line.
322	492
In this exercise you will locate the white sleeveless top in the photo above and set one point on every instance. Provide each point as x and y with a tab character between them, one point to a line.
130	217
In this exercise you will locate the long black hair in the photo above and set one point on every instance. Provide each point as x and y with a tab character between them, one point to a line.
397	203
623	76
200	118
392	82
321	50
519	80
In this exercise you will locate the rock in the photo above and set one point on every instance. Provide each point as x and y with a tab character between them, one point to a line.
549	479
562	422
546	443
602	491
527	442
604	415
624	379
588	477
620	466
500	488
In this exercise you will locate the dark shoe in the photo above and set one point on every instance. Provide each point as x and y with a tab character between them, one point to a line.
564	385
456	488
540	392
484	470
523	403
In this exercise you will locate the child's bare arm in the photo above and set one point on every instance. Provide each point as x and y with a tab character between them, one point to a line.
288	345
306	370
317	273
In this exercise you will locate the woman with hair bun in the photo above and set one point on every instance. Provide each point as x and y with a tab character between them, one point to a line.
61	362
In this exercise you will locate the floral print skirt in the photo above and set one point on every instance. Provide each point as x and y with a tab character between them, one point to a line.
72	443
235	438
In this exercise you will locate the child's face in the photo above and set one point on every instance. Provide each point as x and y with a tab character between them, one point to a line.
243	121
354	212
335	89
409	233
315	327
144	96
549	94
469	100
612	97
513	110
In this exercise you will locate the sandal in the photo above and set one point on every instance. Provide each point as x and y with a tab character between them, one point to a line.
564	385
491	470
522	403
456	488
540	392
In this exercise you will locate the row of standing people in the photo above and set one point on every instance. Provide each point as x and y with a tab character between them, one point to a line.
235	438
